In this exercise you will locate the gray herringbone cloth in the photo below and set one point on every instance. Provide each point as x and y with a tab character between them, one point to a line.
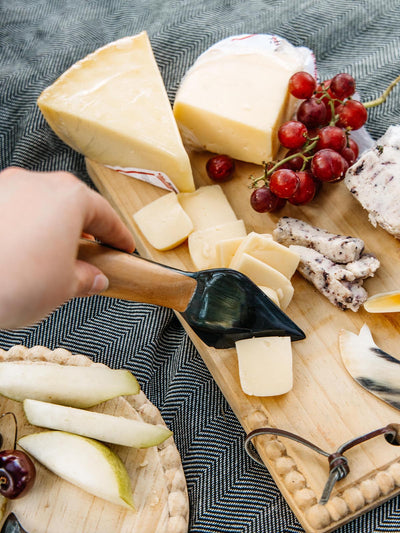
40	39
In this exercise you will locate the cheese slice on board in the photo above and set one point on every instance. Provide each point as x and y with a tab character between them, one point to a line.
226	250
235	96
272	253
265	365
163	222
263	275
207	206
202	243
112	107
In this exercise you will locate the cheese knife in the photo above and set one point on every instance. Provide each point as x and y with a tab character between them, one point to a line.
375	370
220	305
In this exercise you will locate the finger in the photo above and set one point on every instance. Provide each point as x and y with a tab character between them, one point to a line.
88	279
103	222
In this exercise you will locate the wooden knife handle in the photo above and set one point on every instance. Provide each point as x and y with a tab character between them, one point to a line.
137	279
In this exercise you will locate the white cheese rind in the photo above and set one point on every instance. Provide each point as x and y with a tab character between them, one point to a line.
163	222
202	243
265	365
112	107
235	96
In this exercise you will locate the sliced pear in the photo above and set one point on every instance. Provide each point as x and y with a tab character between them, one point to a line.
77	386
86	463
100	426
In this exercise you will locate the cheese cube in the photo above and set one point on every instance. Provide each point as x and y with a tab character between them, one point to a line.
265	365
163	222
269	251
235	96
262	274
226	250
202	243
207	206
112	107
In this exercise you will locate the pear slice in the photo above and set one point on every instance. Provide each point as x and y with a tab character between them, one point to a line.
100	426
77	386
86	463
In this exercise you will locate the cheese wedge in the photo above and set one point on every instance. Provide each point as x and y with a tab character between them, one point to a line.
235	96
226	250
202	243
262	274
272	294
265	249
265	365
207	206
163	222
112	107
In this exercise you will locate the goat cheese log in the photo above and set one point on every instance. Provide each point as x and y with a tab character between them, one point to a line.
337	248
374	180
334	264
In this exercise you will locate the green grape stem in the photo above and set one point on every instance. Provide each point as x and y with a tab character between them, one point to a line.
383	96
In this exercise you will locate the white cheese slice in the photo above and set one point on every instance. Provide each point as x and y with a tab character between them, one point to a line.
226	250
235	96
262	274
163	222
202	243
272	294
265	365
112	107
207	206
265	249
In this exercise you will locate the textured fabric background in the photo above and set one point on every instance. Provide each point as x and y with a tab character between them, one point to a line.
40	39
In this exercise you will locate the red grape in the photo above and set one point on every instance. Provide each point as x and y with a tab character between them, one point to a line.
17	473
284	182
353	145
292	134
302	85
348	154
263	200
343	85
352	115
331	137
220	167
295	163
328	165
312	113
306	189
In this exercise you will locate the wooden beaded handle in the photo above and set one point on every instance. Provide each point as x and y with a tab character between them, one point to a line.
137	279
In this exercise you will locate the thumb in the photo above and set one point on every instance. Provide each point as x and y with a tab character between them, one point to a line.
89	279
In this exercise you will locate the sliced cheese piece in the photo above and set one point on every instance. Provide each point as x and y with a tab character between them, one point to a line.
163	222
202	243
262	274
207	206
267	250
235	96
272	294
112	107
226	250
265	365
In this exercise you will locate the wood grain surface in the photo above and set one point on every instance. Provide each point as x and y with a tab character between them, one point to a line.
325	405
54	505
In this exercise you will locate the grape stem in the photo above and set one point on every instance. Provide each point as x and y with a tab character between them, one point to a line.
383	96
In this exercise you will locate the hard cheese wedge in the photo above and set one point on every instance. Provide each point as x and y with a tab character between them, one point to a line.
226	250
163	222
202	243
265	249
265	365
112	107
207	206
235	96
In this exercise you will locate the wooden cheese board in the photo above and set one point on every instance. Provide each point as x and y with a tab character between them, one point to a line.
325	405
156	473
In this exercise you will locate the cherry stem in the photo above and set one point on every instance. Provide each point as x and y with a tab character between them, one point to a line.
383	96
15	424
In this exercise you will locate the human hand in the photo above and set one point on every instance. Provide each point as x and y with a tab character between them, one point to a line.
42	217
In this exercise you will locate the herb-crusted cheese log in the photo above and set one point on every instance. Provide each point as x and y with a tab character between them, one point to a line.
375	181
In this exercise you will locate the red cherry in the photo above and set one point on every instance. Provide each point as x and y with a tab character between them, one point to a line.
220	168
17	473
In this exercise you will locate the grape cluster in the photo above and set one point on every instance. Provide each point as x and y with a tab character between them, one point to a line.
319	145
